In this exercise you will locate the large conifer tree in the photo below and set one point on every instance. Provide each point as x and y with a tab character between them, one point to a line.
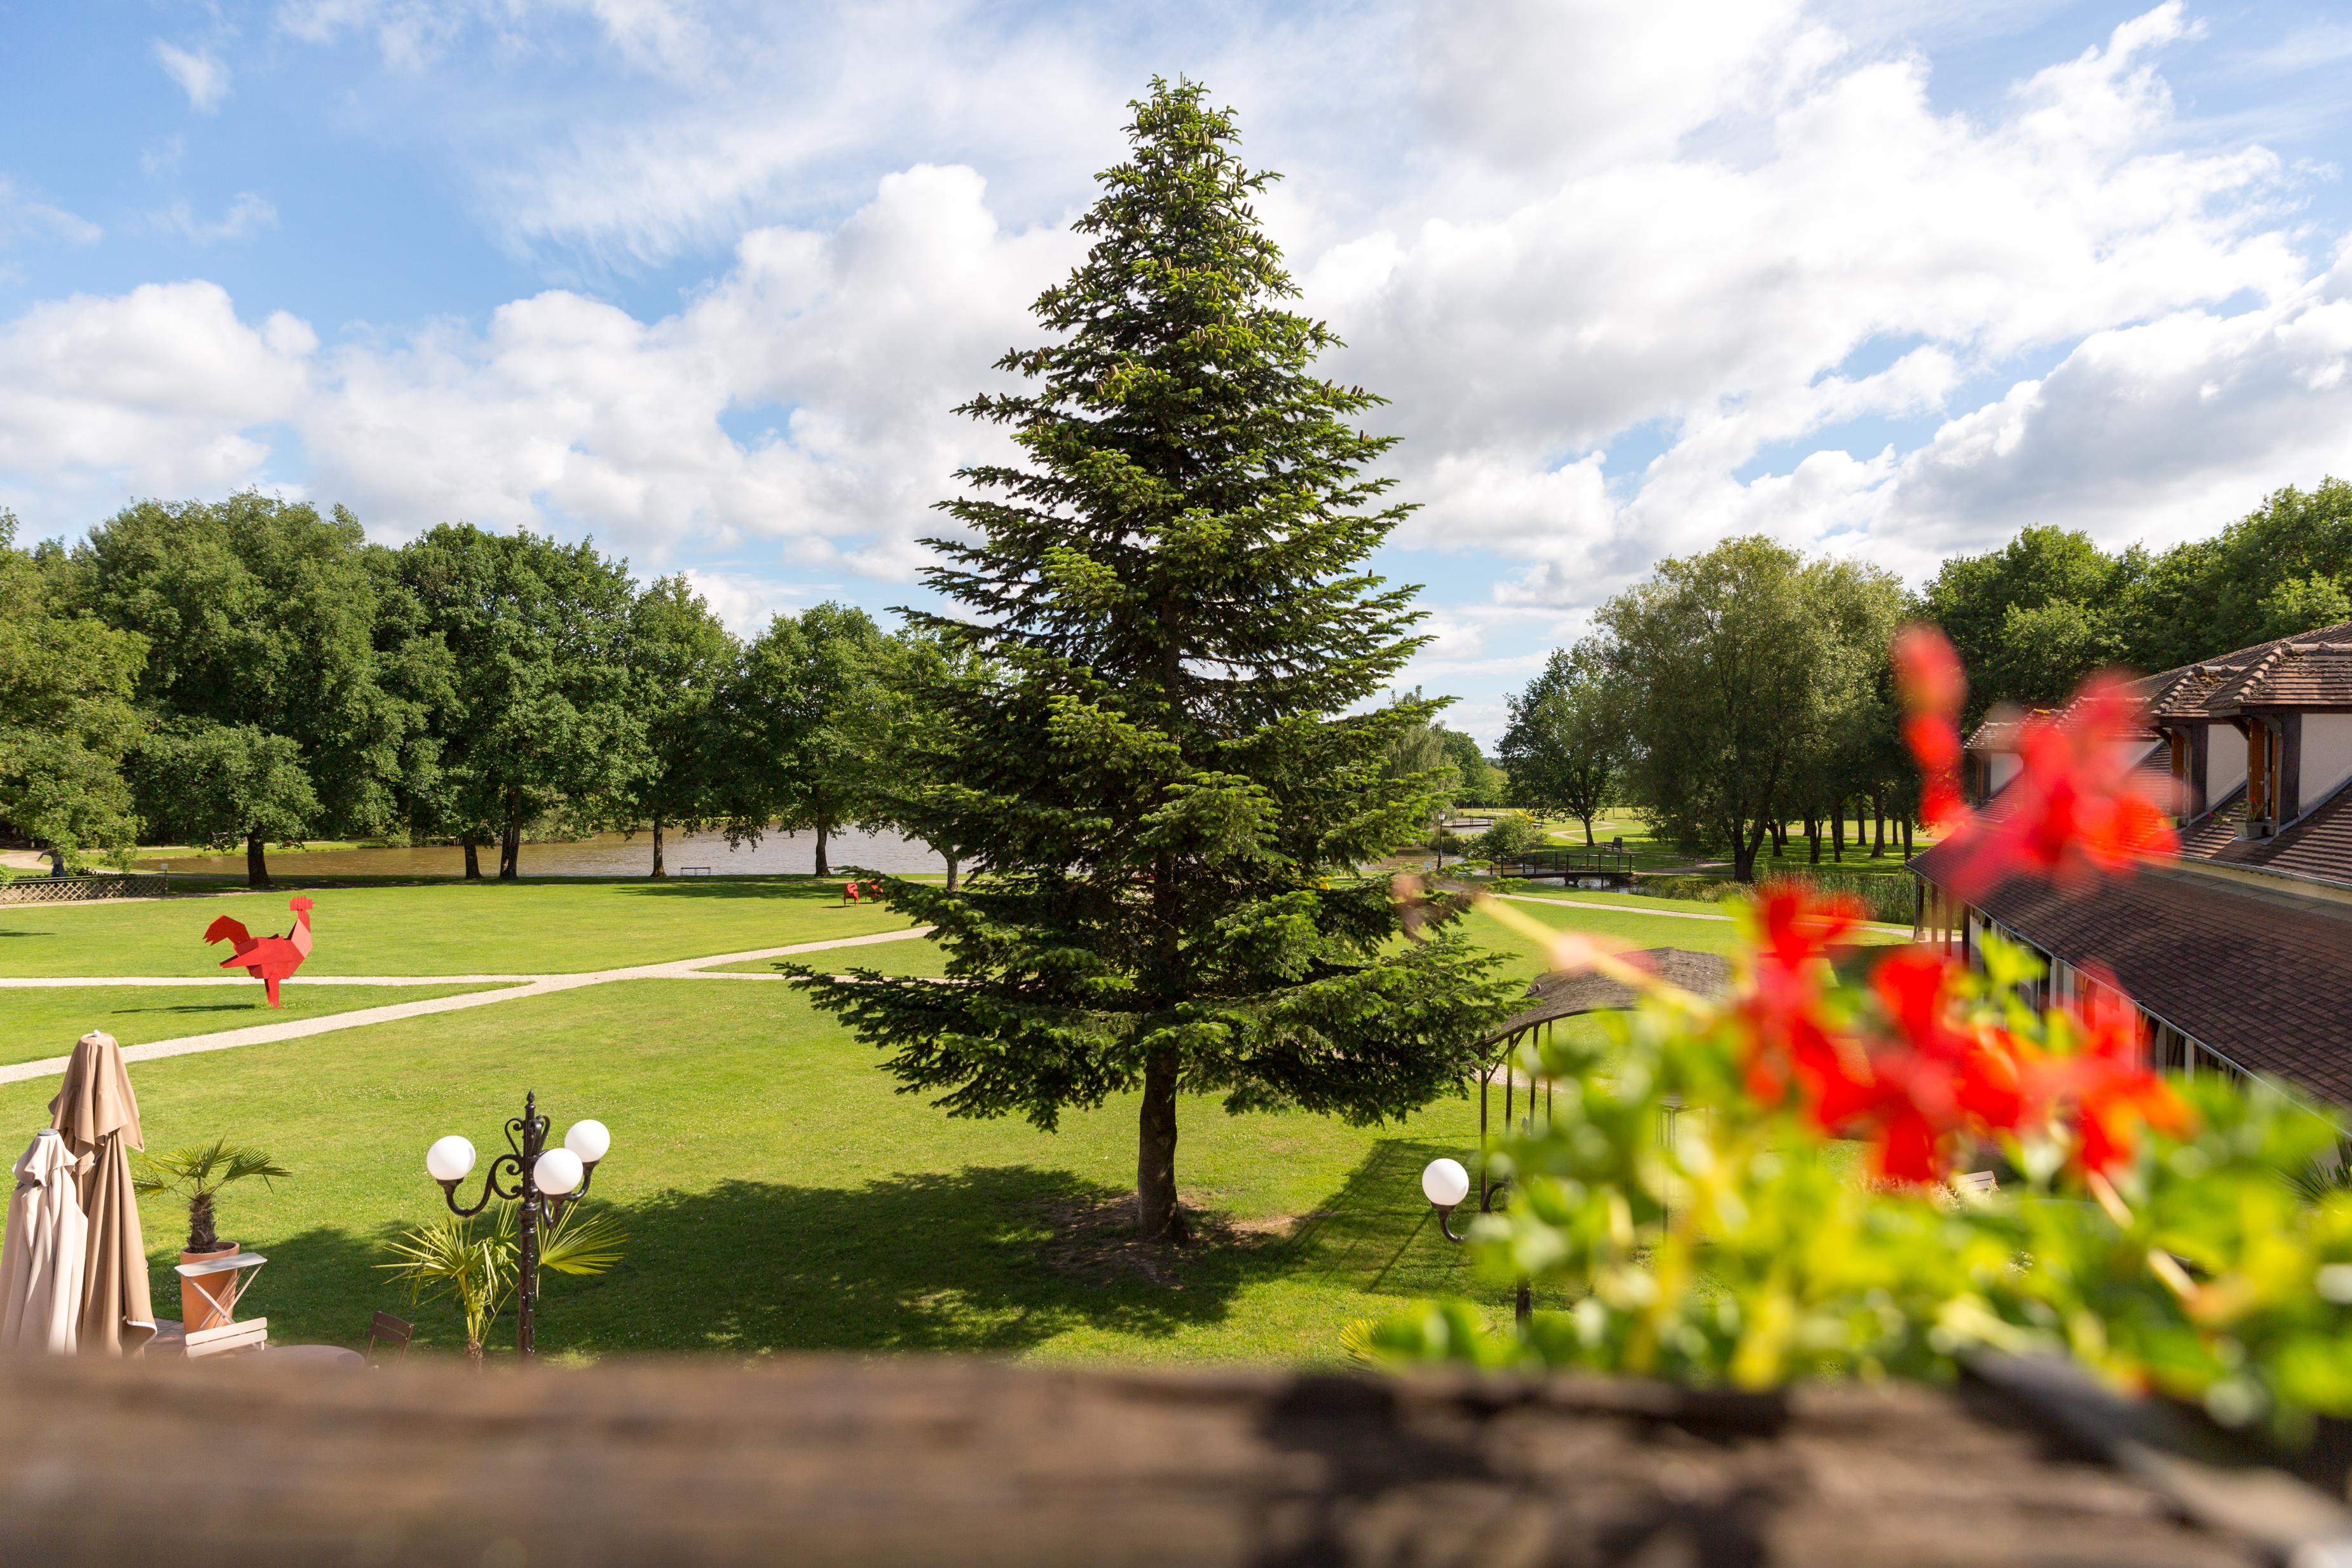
1159	779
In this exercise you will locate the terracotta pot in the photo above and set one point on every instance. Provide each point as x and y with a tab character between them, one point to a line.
205	1301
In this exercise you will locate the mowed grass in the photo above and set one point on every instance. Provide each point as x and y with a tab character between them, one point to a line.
1651	852
456	928
44	1022
780	1195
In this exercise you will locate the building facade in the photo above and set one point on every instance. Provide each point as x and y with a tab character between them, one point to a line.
2237	950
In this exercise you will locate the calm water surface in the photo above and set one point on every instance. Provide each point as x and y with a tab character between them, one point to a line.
606	854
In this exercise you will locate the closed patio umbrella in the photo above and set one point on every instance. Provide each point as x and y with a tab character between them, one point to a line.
41	1262
98	1117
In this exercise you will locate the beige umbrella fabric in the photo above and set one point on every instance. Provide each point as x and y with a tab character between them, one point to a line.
99	1116
41	1262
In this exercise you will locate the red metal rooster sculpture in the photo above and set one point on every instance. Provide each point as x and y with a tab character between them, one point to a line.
271	959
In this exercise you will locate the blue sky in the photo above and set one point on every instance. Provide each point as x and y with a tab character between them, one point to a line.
702	278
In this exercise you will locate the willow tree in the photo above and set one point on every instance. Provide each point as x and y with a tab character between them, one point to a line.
1163	784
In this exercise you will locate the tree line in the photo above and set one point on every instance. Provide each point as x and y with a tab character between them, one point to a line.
2031	618
251	672
1744	689
1730	695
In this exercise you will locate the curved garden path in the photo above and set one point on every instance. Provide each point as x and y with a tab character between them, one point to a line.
513	988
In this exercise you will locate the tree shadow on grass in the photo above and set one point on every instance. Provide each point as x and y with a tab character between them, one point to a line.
994	1259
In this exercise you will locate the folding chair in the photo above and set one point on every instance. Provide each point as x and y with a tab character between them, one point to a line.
388	1330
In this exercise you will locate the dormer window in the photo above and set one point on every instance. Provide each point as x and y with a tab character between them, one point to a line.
2265	744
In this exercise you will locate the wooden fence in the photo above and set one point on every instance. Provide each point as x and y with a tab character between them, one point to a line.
76	889
929	1461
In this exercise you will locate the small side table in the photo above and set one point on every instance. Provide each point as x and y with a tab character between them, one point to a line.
245	1265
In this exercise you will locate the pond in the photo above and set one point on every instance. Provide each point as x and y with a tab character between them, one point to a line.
606	854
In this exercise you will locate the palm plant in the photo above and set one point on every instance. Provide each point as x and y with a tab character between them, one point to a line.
476	1265
197	1172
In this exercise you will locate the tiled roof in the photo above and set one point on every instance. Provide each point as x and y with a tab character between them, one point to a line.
2218	829
2318	843
2261	979
2309	668
2312	674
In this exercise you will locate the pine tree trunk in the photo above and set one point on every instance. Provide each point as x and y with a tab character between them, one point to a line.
473	861
1878	831
822	868
952	873
657	849
1156	1217
256	863
1906	836
1837	832
510	839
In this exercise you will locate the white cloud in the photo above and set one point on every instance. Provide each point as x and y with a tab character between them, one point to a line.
200	73
165	156
846	349
157	391
1720	243
1728	300
245	215
21	217
411	35
745	604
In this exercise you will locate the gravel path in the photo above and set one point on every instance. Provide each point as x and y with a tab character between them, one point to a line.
361	1018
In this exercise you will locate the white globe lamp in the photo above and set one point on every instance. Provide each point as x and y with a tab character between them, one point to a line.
557	1172
589	1140
1444	1183
449	1159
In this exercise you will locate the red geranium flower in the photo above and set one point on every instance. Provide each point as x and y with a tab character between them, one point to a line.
1936	1076
2103	1084
1794	1045
1928	674
2076	807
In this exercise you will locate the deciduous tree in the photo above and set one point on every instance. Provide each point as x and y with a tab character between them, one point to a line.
812	713
66	717
538	721
681	659
259	614
220	785
1567	740
1733	663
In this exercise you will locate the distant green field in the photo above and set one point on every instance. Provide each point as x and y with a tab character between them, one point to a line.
40	1023
449	928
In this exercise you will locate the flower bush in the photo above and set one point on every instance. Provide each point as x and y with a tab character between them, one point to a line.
1761	1188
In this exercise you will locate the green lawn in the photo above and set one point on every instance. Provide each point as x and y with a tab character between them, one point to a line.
1642	901
779	1194
453	928
1651	853
39	1023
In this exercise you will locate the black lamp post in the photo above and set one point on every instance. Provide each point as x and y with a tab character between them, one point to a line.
545	1182
1447	1184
